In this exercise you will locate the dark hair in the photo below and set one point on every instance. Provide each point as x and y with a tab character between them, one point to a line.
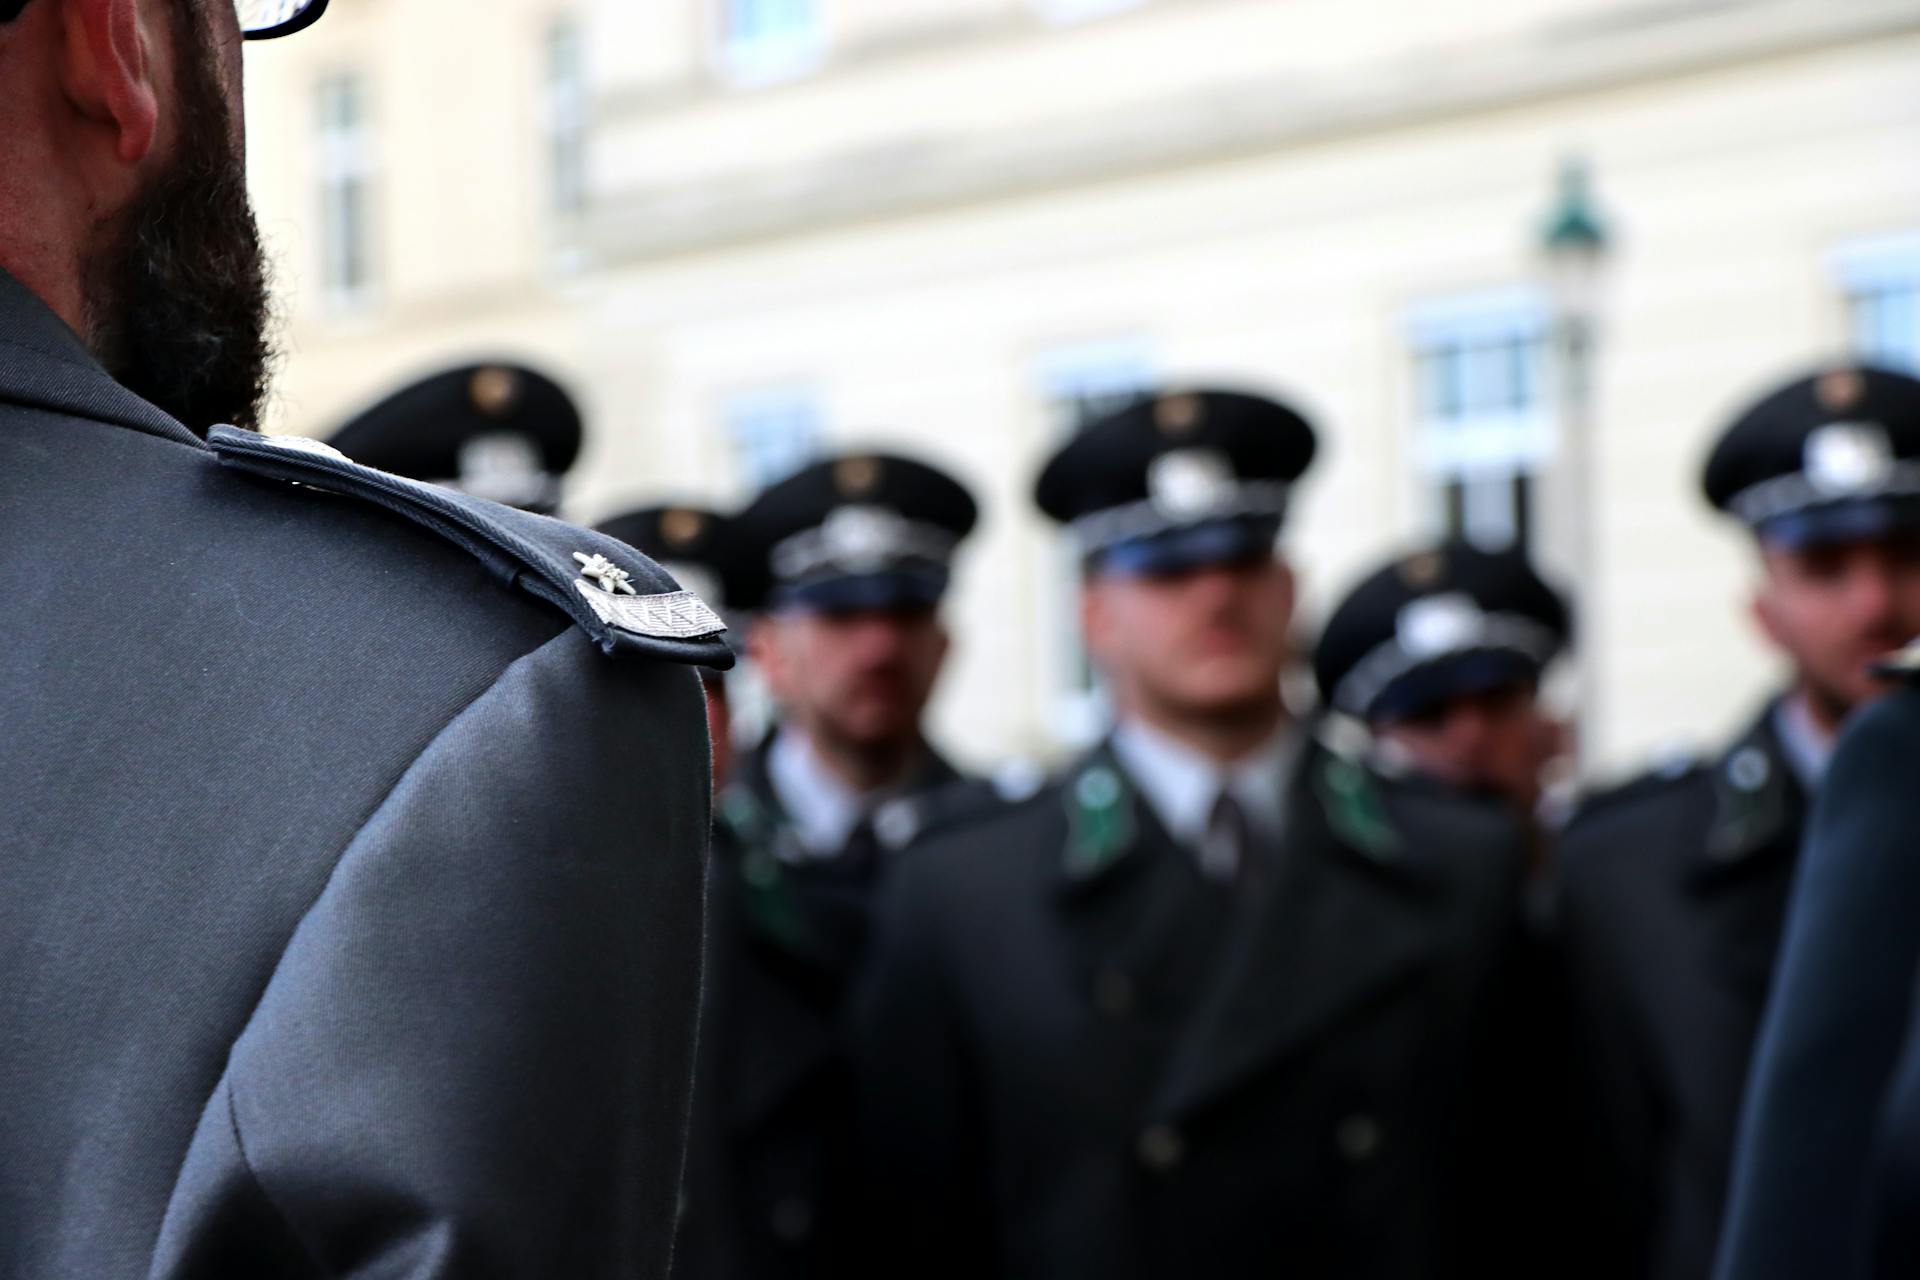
10	9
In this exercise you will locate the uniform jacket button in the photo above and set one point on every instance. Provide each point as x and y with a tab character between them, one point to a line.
1162	1148
1359	1138
1113	993
792	1220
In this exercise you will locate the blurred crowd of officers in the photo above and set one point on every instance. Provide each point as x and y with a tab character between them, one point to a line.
1248	989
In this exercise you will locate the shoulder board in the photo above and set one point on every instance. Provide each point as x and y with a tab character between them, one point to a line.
1668	775
628	604
1903	666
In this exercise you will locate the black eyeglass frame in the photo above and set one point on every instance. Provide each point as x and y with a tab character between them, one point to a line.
10	9
298	22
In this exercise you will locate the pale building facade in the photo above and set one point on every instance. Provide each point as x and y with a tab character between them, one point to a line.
749	229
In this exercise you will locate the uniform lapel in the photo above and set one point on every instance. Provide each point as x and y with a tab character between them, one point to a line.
1141	924
44	366
1345	918
1741	875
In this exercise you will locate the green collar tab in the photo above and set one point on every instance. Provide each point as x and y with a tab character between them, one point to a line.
1356	810
1100	820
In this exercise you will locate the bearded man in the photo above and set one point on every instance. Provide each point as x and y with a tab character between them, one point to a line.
338	938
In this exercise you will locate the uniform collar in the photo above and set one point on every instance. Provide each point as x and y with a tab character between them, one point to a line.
44	365
1181	784
822	810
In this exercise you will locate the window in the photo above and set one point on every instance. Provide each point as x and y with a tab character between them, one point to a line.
767	40
774	432
566	121
1483	424
346	179
1077	384
1880	282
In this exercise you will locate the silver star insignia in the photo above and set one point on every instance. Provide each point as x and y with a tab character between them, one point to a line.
609	576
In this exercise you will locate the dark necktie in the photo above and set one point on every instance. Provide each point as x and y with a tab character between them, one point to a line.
1225	852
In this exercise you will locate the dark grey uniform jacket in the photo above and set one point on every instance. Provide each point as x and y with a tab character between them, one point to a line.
1079	1058
770	1182
351	906
1672	897
1828	1175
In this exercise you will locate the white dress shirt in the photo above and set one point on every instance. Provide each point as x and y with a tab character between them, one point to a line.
1807	746
1181	784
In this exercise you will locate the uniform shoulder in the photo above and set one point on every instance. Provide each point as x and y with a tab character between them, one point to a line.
1393	817
1673	776
625	603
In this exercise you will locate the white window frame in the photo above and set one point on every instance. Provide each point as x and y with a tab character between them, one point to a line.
564	94
1065	377
1496	449
346	173
750	59
746	416
1885	266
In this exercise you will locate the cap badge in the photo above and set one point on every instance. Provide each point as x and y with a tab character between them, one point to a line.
1179	415
1840	390
1190	482
679	526
861	539
856	477
1848	457
607	575
1422	570
1438	625
494	391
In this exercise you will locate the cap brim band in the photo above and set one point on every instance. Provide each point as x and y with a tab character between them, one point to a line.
1389	662
890	589
1457	676
1850	521
1221	541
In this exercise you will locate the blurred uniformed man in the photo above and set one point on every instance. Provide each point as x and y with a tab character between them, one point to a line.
500	431
1439	653
1218	1002
694	544
1827	1179
1675	885
337	935
847	562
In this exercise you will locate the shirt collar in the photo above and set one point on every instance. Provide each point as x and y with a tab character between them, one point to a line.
1806	745
1181	783
822	809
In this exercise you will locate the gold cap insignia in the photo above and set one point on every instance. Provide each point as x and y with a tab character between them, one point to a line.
1840	390
494	390
1177	415
679	526
856	477
1422	570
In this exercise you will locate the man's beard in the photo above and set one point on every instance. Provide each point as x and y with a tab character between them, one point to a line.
176	283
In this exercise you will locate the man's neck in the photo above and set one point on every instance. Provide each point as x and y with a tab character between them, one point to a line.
1224	739
865	768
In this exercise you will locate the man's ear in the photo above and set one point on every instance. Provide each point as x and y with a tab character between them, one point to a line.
1761	605
108	68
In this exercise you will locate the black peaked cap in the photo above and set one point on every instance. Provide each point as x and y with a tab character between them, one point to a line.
882	489
1106	464
1485	618
418	430
1809	456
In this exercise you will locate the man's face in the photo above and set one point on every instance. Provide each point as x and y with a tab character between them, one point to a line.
859	678
175	280
1196	643
1496	742
1835	607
